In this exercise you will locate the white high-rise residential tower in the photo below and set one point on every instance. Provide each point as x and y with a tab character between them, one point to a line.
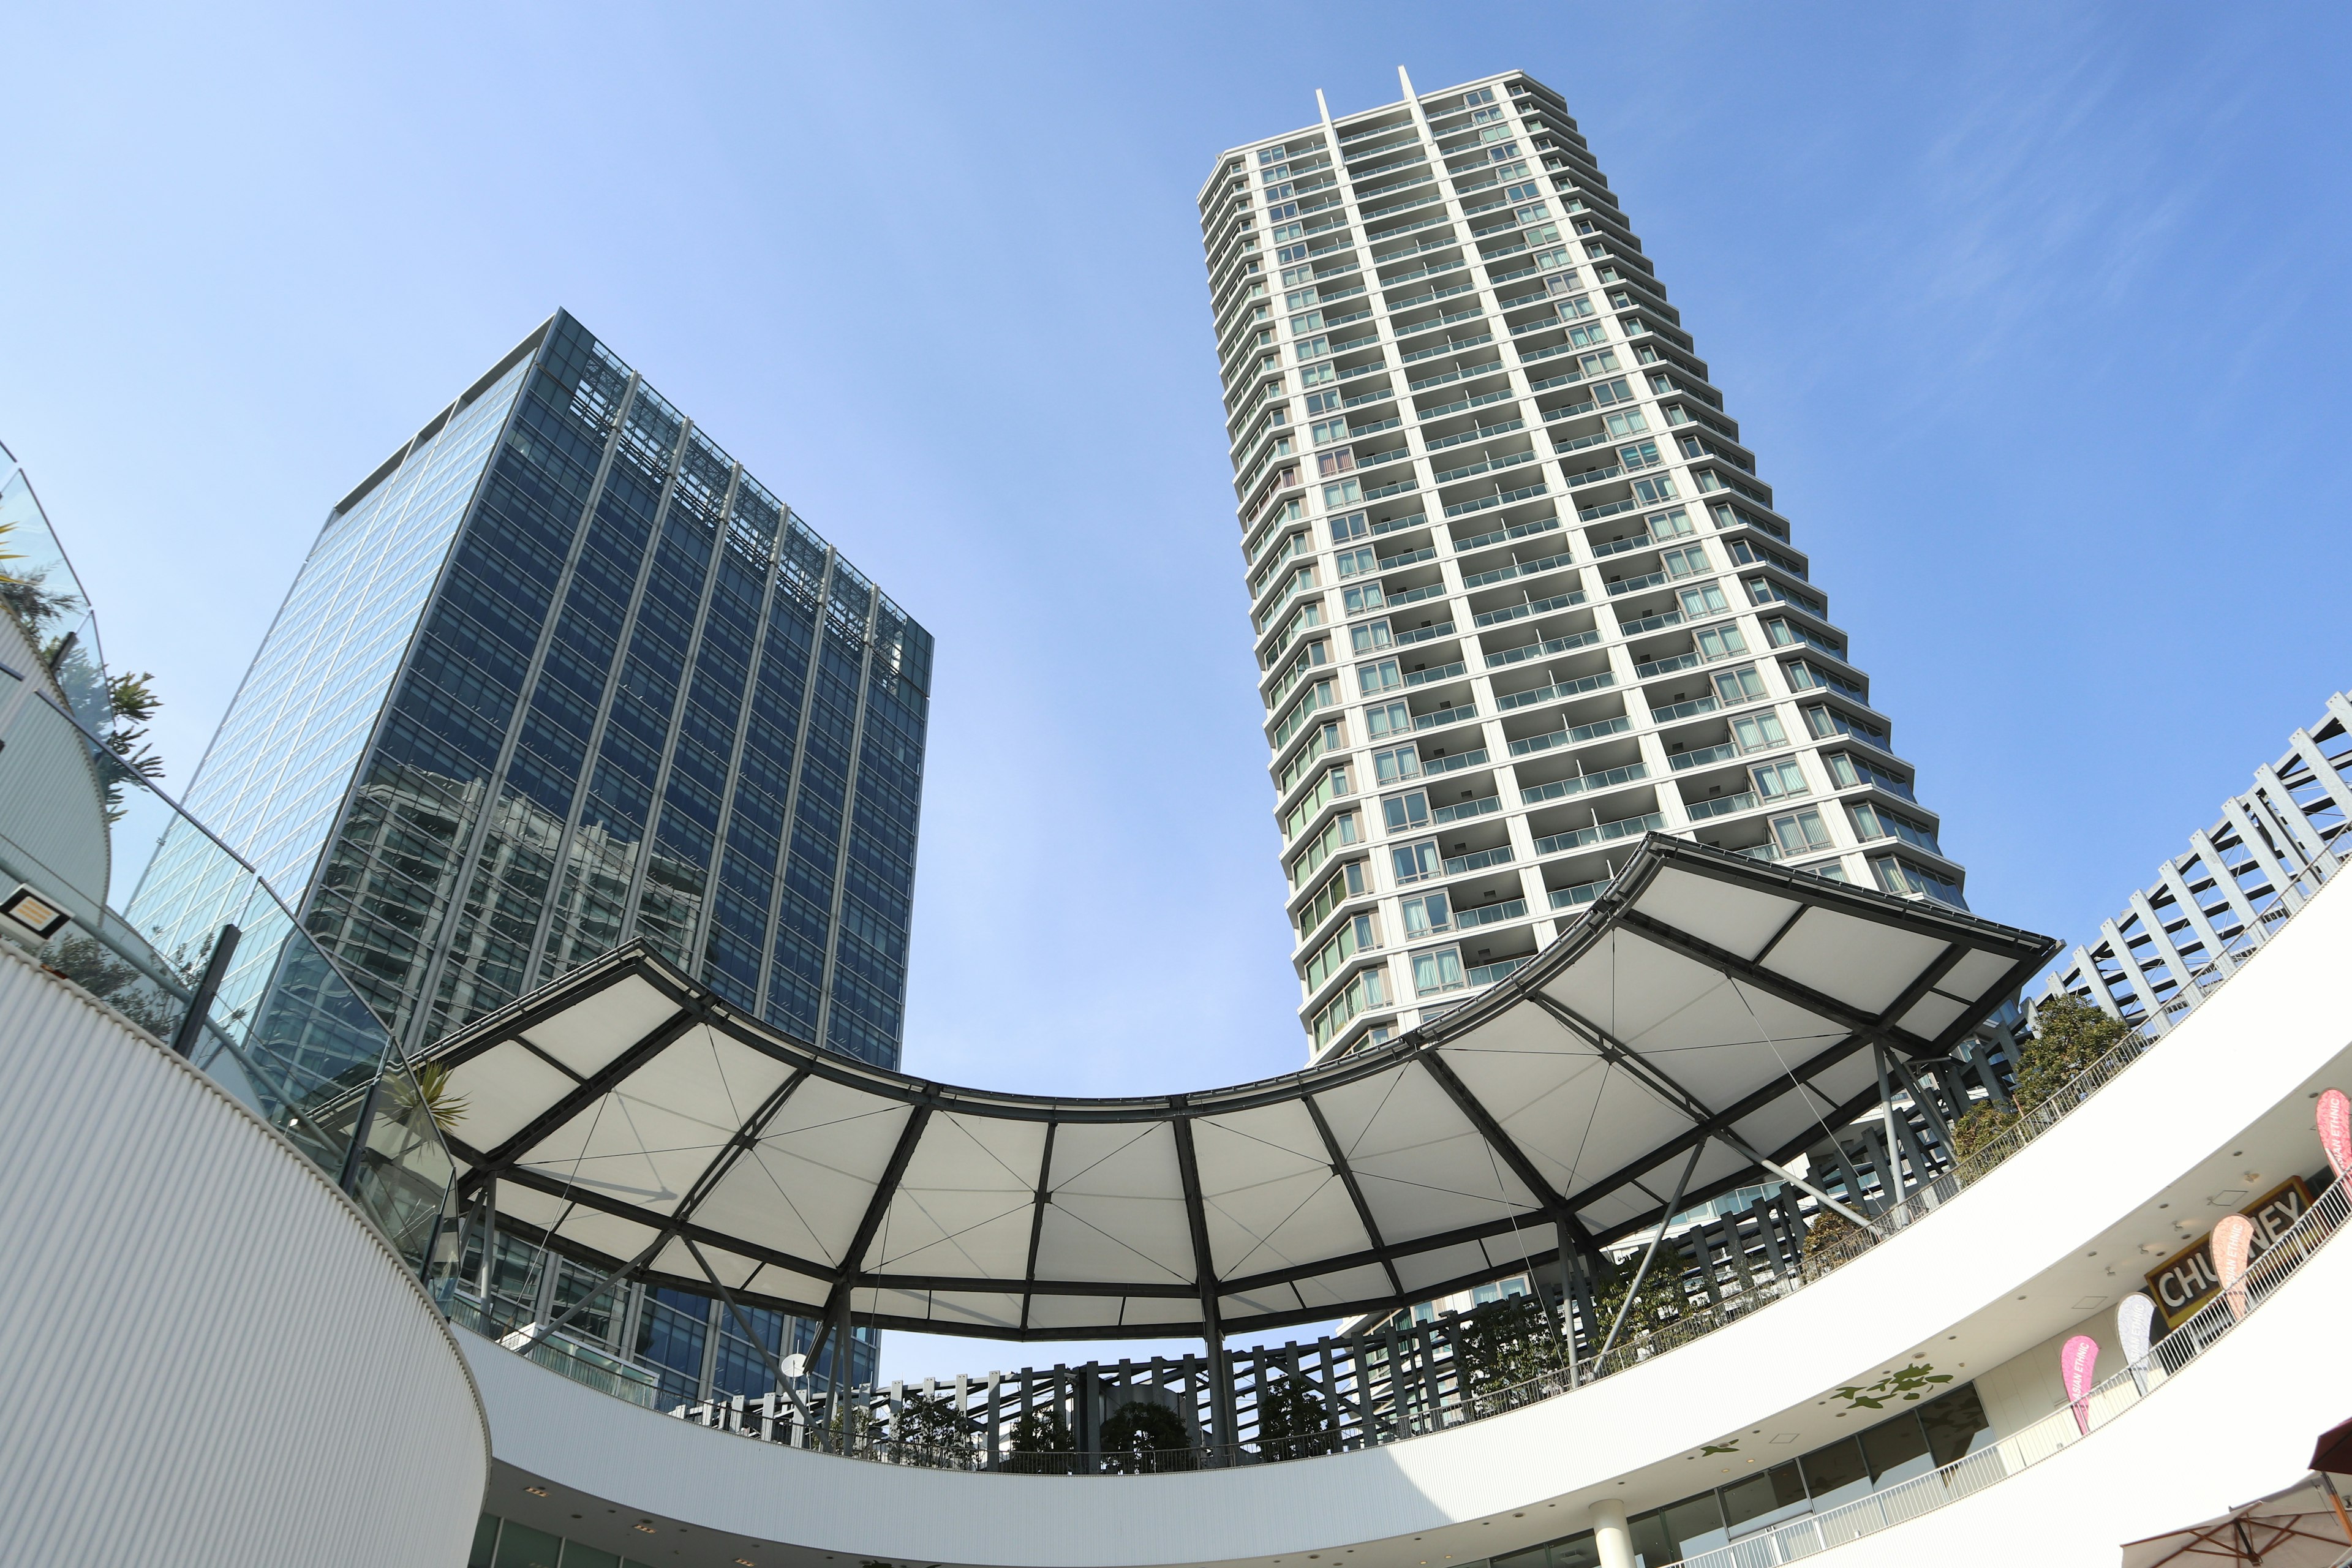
1519	596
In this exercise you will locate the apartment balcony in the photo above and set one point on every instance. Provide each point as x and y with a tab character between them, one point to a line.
1439	673
1485	571
1595	718
1461	433
1451	711
1579	824
1589	779
1721	806
1572	678
1427	631
1567	439
1477	501
1467	367
1479	533
1434	294
1563	633
1434	318
1437	268
1463	464
1453	403
1484	848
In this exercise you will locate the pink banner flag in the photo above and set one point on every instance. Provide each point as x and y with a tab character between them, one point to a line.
2336	1131
2078	1365
2233	1243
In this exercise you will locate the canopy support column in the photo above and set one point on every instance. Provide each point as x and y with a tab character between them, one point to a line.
744	1327
489	1229
1634	1289
1204	1276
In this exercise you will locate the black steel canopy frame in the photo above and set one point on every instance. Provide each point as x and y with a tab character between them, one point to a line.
1779	1006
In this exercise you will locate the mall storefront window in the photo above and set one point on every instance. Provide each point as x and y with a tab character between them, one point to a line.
1896	1449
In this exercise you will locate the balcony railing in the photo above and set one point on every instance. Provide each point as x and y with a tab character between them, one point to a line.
1479	860
1460	373
1580	895
1460	760
1504	498
1444	716
1721	806
1532	607
1703	756
1518	569
1595	730
1601	833
1541	649
1501	969
1480	401
1584	783
245	994
1480	434
1484	465
1557	690
1499	535
2061	1429
1431	677
1467	810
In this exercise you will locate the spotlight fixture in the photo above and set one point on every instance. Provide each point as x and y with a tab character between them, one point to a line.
536	1491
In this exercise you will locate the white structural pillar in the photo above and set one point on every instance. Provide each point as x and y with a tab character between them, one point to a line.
1612	1538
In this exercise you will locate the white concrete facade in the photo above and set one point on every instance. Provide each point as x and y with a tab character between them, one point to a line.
1982	1288
1492	658
207	1354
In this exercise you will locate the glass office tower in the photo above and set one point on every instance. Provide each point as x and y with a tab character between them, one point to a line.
560	675
1518	595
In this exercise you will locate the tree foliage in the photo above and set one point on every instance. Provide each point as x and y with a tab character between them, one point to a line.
1660	1302
931	1431
1981	1129
1040	1443
1142	1438
2068	1036
1292	1421
1505	1343
1827	1241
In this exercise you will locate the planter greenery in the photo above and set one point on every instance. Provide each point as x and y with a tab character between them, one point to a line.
1505	1343
1828	1240
2068	1036
1661	1301
932	1432
433	1092
1981	1130
1141	1439
1292	1421
1040	1444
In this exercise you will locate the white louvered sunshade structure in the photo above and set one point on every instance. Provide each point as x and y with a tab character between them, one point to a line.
1706	1002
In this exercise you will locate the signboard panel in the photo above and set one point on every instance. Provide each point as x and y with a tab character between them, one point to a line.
2186	1281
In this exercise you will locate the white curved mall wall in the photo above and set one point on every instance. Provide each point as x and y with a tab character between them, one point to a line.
2235	1425
1991	1276
206	1355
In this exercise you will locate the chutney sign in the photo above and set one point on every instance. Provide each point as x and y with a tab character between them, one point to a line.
2190	1279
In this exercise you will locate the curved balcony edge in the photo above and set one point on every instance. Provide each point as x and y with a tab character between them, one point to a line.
1979	1287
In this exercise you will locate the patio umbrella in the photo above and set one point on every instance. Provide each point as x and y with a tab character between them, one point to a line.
2296	1528
2334	1451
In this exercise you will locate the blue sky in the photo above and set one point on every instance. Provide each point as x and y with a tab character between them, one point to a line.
2034	313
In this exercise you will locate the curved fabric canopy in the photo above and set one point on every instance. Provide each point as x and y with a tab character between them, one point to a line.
1706	999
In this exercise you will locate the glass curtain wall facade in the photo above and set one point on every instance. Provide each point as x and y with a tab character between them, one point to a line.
1517	594
561	675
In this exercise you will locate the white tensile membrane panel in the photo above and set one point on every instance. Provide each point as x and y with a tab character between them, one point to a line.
1706	1000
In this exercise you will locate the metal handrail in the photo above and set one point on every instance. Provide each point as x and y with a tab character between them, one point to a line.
2059	1430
